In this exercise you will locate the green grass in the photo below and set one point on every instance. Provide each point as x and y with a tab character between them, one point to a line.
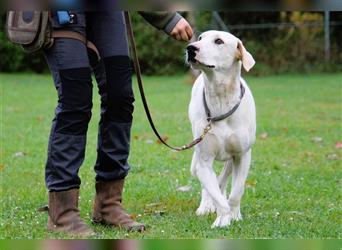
293	189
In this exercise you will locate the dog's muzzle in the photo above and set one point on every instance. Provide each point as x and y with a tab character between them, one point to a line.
191	52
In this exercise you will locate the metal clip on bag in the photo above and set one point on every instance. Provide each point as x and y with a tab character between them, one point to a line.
30	29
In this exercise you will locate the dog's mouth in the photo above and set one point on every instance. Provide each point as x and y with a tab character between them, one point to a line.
203	64
194	61
191	59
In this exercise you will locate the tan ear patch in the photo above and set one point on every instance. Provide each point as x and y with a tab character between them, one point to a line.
238	54
246	58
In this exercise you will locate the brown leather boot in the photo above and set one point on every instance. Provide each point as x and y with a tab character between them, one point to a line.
64	215
108	209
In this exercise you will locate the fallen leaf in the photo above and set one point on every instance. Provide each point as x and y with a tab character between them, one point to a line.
40	118
165	139
285	129
311	130
174	157
251	184
309	154
149	141
160	212
2	166
263	136
316	139
19	154
185	188
338	145
333	157
136	137
156	204
134	216
156	212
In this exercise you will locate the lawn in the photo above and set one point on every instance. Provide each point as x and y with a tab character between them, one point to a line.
293	188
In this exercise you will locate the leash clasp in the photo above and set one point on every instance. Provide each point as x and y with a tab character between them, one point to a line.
206	130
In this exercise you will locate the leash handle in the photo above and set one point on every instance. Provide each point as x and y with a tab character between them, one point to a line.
142	92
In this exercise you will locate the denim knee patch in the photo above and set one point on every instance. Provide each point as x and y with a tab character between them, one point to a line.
120	97
76	87
75	101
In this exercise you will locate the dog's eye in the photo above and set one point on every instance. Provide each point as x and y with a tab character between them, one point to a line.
200	38
219	41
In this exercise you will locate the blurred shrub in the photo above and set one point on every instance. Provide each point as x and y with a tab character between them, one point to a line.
158	53
298	49
276	50
13	58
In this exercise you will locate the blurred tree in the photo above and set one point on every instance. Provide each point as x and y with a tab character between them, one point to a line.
13	58
277	49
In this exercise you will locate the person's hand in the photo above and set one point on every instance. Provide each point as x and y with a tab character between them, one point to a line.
182	31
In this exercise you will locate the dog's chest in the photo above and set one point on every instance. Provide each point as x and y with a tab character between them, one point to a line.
225	141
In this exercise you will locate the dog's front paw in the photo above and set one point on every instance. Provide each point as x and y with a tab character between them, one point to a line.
236	214
206	207
222	221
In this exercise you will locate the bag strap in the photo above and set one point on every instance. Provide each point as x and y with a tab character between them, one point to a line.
76	36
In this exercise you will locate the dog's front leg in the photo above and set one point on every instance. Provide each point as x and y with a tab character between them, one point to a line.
207	205
208	179
240	172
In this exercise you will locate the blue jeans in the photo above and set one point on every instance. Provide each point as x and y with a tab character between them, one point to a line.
71	65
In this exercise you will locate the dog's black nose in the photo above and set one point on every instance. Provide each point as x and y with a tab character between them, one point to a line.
191	52
192	48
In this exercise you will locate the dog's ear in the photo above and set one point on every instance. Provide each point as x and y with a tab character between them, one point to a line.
246	58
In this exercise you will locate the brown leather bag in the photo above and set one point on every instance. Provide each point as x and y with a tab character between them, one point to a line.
30	29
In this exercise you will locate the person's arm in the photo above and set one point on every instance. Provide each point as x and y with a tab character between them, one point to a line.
171	22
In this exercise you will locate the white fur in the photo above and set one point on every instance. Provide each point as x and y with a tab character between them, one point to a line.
229	140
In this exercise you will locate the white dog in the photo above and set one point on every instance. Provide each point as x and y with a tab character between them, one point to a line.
221	93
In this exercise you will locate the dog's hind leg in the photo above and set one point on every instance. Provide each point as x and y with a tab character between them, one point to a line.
240	172
223	177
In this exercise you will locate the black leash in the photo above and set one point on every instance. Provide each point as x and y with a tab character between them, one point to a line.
144	101
142	92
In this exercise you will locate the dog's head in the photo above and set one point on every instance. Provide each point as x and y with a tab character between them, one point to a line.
217	50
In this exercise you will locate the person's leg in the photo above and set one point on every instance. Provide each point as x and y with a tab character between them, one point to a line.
113	73
69	65
107	31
